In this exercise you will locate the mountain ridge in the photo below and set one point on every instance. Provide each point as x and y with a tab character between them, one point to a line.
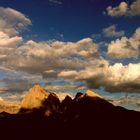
86	116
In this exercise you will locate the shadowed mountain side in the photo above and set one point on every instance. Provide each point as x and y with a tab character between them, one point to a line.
87	116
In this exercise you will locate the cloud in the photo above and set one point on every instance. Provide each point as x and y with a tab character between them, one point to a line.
42	57
117	11
49	74
125	47
69	74
123	9
49	59
111	32
75	63
16	85
6	41
132	101
12	21
114	78
134	8
61	88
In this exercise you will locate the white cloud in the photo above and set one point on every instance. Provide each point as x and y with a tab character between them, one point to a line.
12	21
6	41
41	57
114	78
117	11
125	47
123	9
52	59
69	74
112	32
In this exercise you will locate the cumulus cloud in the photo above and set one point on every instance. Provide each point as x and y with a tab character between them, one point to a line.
114	78
74	61
120	10
123	9
43	57
112	32
52	59
6	41
12	21
125	47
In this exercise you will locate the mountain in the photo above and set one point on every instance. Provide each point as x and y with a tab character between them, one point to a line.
34	98
38	99
87	116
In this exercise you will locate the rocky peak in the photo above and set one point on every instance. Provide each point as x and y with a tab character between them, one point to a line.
66	101
90	93
78	95
34	98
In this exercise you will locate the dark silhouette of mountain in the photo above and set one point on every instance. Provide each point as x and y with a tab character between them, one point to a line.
88	116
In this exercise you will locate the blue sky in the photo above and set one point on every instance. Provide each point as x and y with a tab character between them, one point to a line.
75	19
71	45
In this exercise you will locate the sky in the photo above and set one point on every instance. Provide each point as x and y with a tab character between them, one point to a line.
69	46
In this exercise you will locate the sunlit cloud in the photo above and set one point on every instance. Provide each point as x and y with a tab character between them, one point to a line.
124	9
111	31
125	47
12	22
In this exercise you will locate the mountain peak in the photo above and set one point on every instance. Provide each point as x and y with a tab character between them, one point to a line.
34	98
90	93
37	88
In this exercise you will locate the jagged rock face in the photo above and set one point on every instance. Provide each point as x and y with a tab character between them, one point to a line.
66	103
34	98
78	95
51	105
